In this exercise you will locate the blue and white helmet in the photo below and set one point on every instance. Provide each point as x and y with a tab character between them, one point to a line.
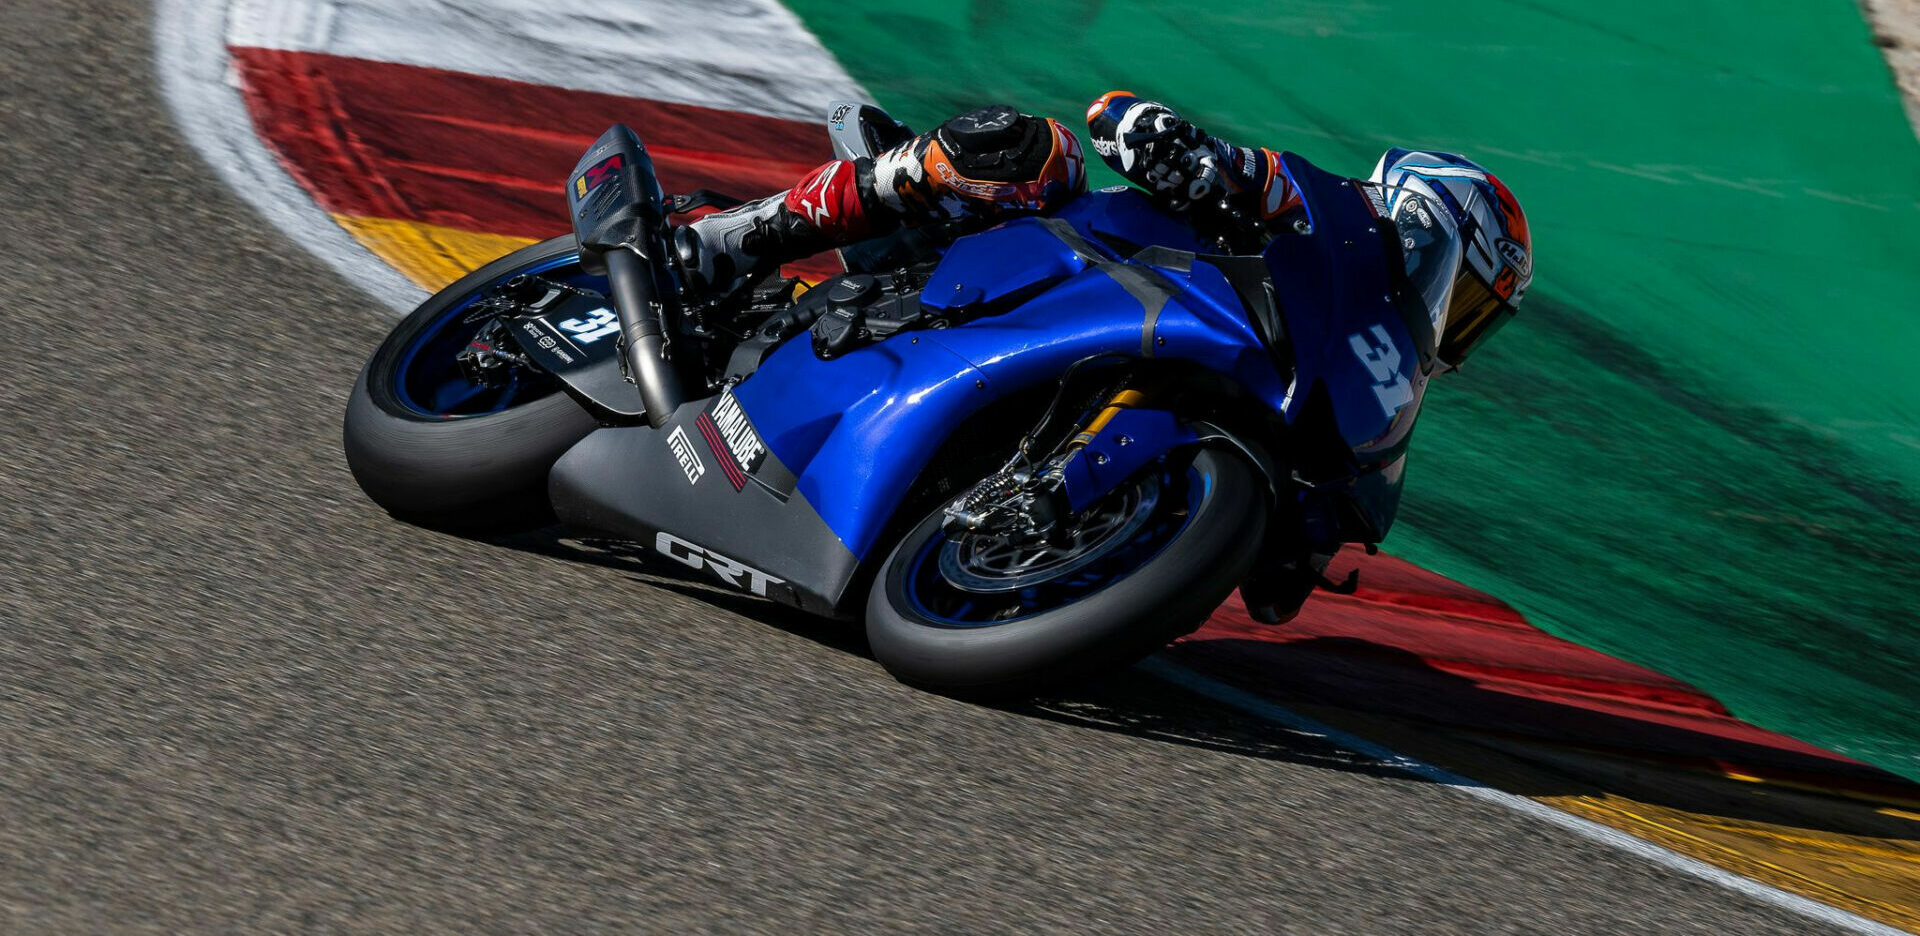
1469	253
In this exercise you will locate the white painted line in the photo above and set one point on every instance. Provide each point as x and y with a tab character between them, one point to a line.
752	56
761	59
197	82
1191	681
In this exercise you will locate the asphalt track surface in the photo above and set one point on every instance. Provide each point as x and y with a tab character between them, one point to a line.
236	697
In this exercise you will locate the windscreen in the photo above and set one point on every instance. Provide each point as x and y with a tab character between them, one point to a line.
1431	245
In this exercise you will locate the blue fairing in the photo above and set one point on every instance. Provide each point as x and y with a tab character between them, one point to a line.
973	270
1361	351
1125	220
857	430
1333	286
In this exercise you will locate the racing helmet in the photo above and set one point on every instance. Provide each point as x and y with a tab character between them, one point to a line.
992	159
1468	252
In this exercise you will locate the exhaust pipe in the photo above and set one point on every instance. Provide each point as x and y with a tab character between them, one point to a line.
643	327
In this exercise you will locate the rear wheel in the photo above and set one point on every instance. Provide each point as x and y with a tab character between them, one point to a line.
978	615
435	448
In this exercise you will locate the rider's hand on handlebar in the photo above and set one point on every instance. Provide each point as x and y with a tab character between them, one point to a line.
1174	158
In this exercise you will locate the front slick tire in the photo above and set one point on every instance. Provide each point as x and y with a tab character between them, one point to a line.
475	472
1211	516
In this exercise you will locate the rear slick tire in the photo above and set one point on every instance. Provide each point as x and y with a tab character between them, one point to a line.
1166	596
479	473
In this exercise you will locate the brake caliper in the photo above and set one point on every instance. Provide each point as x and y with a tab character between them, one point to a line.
1018	505
490	358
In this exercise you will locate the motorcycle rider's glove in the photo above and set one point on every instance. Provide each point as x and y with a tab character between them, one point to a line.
1180	164
1156	149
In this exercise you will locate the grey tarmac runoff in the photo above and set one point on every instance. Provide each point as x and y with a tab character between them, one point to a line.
235	697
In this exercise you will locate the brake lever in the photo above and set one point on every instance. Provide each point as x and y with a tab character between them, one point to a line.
702	198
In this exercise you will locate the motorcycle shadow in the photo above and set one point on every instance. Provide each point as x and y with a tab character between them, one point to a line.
1532	747
1545	748
1131	702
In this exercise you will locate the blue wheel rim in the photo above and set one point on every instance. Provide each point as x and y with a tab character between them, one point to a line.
937	601
427	379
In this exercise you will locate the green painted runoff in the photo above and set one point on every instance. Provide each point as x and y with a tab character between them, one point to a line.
1699	447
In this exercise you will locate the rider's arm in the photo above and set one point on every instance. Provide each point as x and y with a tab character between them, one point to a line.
1160	151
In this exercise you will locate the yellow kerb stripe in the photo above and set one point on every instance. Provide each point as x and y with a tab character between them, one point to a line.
1878	878
428	254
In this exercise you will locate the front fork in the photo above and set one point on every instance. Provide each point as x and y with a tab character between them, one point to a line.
1127	434
1120	440
1030	498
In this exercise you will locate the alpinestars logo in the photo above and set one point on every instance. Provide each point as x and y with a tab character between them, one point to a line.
813	198
682	448
961	183
729	433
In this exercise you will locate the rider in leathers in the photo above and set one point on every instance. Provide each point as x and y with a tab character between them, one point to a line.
1464	237
984	164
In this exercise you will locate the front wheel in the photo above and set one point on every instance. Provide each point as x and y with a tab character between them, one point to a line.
434	448
976	615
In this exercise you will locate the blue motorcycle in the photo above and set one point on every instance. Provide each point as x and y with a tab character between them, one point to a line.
1022	454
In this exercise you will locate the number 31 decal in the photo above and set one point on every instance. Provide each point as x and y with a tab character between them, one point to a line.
1382	359
592	328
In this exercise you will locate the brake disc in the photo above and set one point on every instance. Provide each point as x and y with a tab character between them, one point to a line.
990	563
